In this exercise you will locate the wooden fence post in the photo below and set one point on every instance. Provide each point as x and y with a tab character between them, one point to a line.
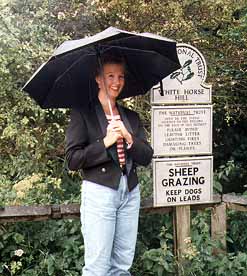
181	229
218	225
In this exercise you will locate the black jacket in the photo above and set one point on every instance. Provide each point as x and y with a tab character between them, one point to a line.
85	149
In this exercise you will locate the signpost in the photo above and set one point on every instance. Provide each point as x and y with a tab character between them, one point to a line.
182	141
182	133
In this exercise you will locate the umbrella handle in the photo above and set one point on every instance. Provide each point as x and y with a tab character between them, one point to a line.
101	70
110	107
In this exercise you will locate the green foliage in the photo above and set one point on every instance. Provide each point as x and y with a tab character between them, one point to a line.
199	258
26	251
237	231
160	261
145	181
56	248
29	136
230	156
31	139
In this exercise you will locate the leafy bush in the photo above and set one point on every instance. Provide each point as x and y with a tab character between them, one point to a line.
41	248
199	258
56	248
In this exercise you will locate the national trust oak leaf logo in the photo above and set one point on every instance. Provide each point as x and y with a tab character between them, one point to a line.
184	73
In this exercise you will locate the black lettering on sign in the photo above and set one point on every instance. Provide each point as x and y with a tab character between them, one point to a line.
183	171
183	181
172	199
189	198
193	191
173	192
193	91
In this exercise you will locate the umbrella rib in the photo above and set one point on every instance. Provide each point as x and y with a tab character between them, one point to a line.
69	68
64	73
107	48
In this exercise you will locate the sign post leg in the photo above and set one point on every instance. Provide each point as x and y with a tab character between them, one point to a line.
218	226
181	226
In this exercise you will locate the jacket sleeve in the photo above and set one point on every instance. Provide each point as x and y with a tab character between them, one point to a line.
79	152
140	151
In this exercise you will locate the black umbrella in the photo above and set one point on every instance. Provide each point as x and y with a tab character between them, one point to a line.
67	79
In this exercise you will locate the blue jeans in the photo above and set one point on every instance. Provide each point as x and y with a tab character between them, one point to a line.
109	220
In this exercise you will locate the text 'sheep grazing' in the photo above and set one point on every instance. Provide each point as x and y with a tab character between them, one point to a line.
181	177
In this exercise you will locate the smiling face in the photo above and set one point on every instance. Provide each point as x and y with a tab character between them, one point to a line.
113	77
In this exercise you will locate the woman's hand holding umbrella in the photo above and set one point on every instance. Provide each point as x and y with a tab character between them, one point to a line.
125	134
116	130
113	133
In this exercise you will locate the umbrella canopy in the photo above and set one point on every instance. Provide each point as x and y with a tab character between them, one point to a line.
67	79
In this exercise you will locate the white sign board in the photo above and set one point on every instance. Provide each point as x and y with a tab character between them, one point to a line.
186	85
182	181
183	130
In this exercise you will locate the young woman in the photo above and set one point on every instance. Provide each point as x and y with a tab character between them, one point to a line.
107	150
